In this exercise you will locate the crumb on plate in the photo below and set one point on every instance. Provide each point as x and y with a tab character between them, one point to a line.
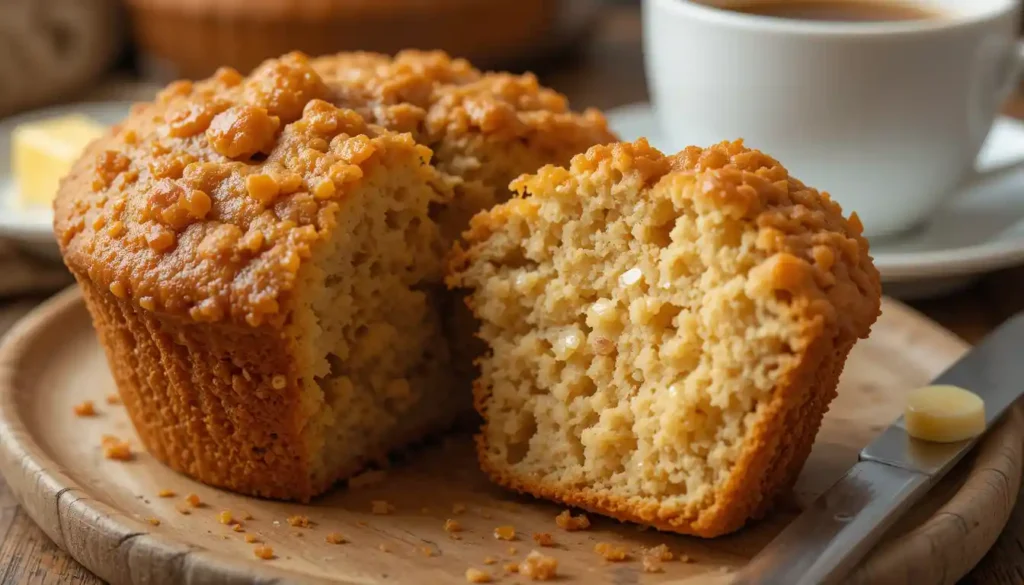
477	576
567	521
539	567
264	552
298	521
612	552
335	538
505	532
85	408
543	538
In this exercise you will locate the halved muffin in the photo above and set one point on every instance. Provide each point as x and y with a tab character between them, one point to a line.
665	332
265	275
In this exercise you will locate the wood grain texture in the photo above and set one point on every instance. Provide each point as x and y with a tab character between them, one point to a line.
100	510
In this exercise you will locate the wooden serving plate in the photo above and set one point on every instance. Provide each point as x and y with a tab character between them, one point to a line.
99	510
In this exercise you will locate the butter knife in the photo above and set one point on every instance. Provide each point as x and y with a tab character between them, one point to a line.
828	539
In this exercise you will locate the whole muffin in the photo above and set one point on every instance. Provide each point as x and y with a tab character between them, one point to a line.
665	332
264	268
192	38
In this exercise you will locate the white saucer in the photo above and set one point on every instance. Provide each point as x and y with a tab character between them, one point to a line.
32	227
980	231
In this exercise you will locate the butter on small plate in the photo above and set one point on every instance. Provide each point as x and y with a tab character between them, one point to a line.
36	149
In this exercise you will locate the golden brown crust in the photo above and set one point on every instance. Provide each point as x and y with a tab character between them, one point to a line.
818	262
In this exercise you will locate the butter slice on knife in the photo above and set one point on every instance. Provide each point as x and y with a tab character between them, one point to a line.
43	153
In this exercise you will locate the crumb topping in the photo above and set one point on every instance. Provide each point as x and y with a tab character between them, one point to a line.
335	538
205	202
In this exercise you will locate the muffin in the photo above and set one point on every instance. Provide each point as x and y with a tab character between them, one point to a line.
665	333
264	265
192	38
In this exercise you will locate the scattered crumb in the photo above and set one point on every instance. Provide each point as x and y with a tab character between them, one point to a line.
455	536
335	538
238	528
505	532
193	500
367	478
511	567
451	525
277	523
264	552
490	560
539	567
381	507
660	553
424	510
224	537
567	521
686	559
85	409
477	576
113	398
299	522
427	551
166	494
384	548
361	523
114	448
651	564
485	515
458	508
512	550
543	538
612	552
153	521
183	508
225	517
298	533
251	538
246	516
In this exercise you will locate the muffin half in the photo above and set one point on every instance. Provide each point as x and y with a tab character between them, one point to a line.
264	274
665	332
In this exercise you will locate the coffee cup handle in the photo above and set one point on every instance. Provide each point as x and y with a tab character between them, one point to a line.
1009	85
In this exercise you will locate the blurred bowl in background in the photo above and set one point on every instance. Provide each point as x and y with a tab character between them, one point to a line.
191	38
52	49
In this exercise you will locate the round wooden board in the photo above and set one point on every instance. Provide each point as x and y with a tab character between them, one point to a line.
99	510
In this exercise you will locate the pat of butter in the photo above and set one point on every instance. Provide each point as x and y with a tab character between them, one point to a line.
944	414
43	153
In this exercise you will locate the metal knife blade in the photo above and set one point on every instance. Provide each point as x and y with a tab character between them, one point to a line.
827	540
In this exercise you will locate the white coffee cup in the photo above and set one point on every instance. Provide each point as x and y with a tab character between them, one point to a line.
886	116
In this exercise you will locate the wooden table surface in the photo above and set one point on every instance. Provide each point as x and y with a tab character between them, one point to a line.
606	72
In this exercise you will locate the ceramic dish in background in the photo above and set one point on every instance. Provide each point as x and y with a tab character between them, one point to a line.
31	228
979	231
